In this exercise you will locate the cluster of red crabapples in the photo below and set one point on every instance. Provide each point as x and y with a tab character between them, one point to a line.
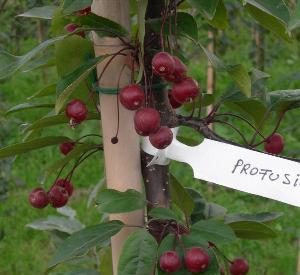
57	196
59	193
147	120
197	260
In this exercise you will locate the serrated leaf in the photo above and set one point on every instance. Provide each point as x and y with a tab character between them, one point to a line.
186	25
82	241
24	147
252	230
241	77
70	6
213	231
9	63
45	12
53	120
181	197
28	106
61	224
114	201
281	101
45	91
67	84
271	14
163	213
138	254
102	25
260	217
206	8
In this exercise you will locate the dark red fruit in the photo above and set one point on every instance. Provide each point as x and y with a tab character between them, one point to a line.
83	12
38	198
179	73
132	97
174	103
72	27
239	267
163	64
76	110
169	262
146	121
185	90
162	138
66	148
65	184
196	259
274	144
58	196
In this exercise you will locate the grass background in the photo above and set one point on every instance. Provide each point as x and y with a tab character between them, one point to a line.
25	251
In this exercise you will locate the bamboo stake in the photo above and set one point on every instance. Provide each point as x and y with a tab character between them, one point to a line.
122	160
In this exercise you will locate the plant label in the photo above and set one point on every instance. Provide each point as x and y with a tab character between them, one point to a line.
235	167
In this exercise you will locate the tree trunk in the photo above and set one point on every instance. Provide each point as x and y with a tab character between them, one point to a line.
259	44
156	177
122	160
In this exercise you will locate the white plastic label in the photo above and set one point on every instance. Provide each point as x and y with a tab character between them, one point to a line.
236	167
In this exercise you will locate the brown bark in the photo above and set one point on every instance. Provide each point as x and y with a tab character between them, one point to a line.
156	177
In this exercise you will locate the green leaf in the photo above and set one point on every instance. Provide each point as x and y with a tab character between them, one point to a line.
252	230
271	14
70	6
241	77
138	254
53	120
82	241
281	101
78	150
213	210
102	25
45	12
45	91
28	106
260	217
220	20
105	267
294	22
21	148
58	223
9	63
186	25
200	203
67	84
206	8
181	197
163	213
113	201
94	192
213	231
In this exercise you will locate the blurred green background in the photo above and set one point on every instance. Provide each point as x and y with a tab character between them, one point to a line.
26	251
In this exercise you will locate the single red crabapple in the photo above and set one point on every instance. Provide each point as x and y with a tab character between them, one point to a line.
162	138
58	196
169	262
38	198
196	260
239	267
66	147
132	97
179	73
274	144
146	121
65	184
174	103
76	110
72	27
185	90
163	64
84	12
